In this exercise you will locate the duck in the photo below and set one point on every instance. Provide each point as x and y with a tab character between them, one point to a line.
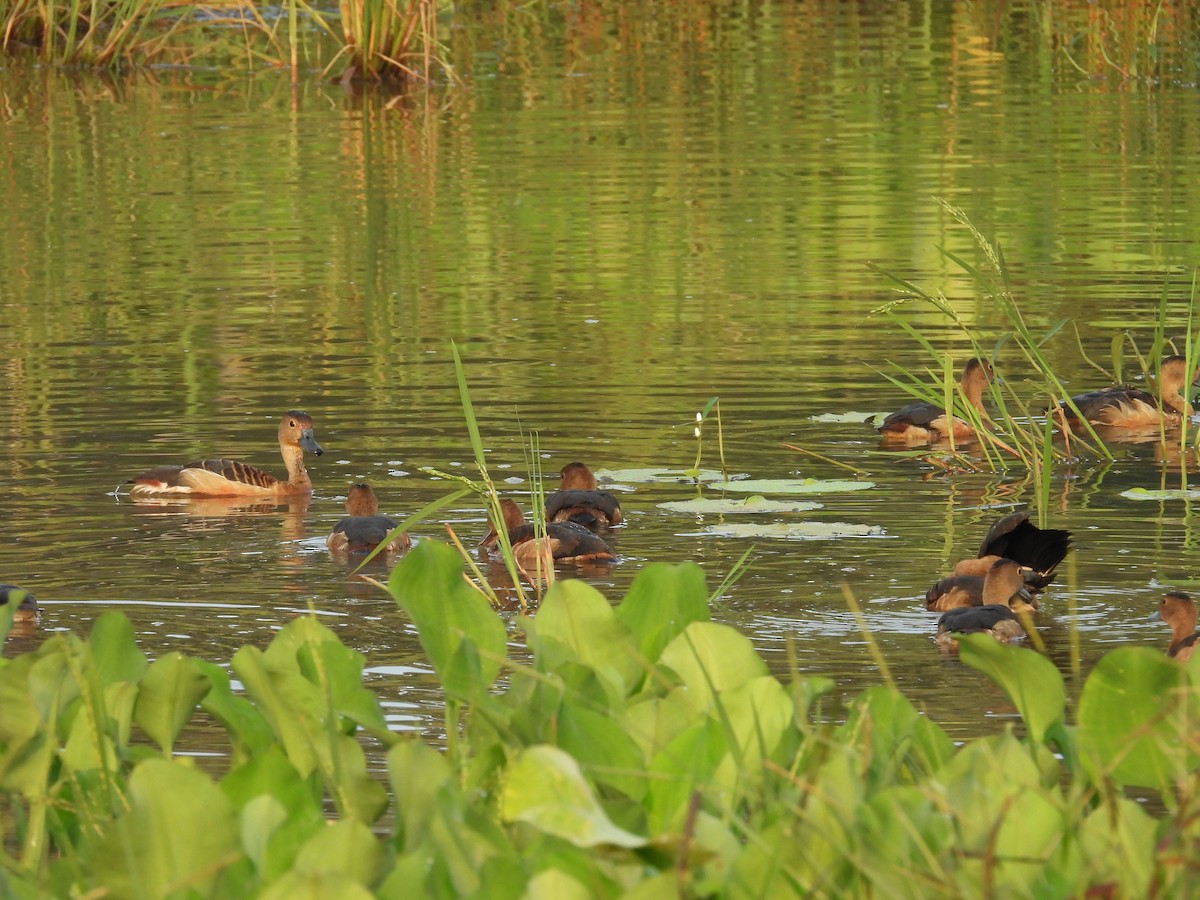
1130	407
577	500
229	478
363	529
567	541
1178	610
922	423
1003	584
1015	537
995	619
26	609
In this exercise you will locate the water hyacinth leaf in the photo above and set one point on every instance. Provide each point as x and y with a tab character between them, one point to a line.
180	829
167	697
792	485
315	886
545	789
115	653
576	624
658	476
709	658
663	600
417	774
1133	719
1032	682
758	714
448	613
338	670
248	731
1118	839
344	848
796	531
757	505
603	746
289	703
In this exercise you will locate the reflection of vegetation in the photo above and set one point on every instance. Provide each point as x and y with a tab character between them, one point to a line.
643	731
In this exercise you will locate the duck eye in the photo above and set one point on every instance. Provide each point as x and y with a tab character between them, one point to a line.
292	423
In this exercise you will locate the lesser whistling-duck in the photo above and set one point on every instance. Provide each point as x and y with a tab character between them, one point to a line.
567	541
363	529
1004	584
577	500
1015	537
229	478
1130	407
995	619
1178	610
921	422
26	609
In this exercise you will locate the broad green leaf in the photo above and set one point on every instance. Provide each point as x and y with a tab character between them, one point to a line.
296	885
576	624
248	731
795	531
545	788
664	475
1134	714
1030	680
792	485
1138	493
115	653
428	584
756	505
339	672
345	848
895	744
663	600
179	833
417	774
169	691
686	763
603	747
553	884
1118	840
291	705
711	658
758	714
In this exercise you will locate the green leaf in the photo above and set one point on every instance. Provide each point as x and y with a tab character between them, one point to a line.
115	653
344	848
1030	680
757	504
545	789
248	731
795	531
168	694
1133	719
464	638
711	658
792	485
662	601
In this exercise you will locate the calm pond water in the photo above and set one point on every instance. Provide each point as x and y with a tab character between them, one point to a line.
613	236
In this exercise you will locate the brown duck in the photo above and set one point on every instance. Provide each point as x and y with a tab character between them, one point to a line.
363	529
577	500
566	541
922	423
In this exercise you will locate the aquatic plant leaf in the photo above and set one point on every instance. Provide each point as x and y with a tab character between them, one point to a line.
167	696
660	476
854	417
115	653
1032	682
1118	840
545	788
757	713
711	659
663	600
464	638
347	848
601	744
416	773
792	485
289	702
297	885
1133	719
180	829
727	505
1138	493
896	743
576	624
248	731
795	531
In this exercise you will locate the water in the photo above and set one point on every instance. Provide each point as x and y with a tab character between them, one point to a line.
612	237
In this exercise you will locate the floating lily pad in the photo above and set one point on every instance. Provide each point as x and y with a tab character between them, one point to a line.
858	418
792	485
1176	494
796	531
755	504
668	476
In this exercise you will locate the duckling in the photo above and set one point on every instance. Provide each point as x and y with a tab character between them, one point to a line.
995	619
921	423
362	530
228	478
1015	537
568	541
27	608
1130	407
1178	610
578	501
1003	584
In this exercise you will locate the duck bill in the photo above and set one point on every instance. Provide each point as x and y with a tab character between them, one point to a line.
309	443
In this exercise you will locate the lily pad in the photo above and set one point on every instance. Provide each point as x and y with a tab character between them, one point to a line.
858	418
755	504
1175	494
664	475
796	531
792	485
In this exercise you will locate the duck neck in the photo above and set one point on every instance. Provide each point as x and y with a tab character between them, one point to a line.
293	458
1173	399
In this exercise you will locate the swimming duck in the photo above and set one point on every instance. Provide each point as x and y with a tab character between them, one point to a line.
1130	407
567	541
921	422
1004	584
577	500
1178	610
362	530
995	619
228	478
1015	537
27	608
